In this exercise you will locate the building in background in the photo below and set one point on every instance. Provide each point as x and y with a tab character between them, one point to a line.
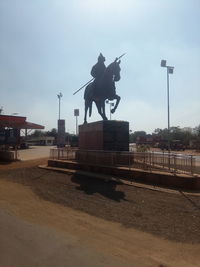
41	141
10	132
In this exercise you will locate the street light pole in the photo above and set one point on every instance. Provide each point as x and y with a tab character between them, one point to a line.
168	112
1	110
59	98
111	105
170	70
76	114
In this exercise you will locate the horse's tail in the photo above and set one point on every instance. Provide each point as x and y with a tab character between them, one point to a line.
90	108
85	93
88	91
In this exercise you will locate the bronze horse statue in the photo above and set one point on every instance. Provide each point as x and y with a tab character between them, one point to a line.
103	90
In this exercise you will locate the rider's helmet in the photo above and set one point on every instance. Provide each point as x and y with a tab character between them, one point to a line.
101	58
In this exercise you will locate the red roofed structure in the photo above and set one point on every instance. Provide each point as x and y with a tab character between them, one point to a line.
10	128
16	122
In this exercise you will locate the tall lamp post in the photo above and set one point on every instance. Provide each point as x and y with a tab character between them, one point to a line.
76	114
59	98
1	110
61	126
170	70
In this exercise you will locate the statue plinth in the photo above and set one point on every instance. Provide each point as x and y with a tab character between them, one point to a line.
104	135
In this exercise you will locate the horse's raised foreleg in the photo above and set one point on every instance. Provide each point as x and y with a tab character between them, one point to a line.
117	97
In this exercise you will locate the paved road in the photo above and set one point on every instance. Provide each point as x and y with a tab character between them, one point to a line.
34	152
26	244
37	232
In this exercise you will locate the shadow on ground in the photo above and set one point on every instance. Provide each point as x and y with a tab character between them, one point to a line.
92	186
171	216
5	163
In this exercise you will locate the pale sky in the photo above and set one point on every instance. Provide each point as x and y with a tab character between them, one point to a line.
49	46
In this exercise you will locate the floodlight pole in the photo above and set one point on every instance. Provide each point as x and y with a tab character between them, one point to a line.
76	125
169	71
59	98
168	108
76	114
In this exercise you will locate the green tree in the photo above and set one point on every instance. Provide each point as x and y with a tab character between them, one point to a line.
133	136
163	133
175	133
37	133
53	133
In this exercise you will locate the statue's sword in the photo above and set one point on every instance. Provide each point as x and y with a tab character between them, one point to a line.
83	86
93	78
121	56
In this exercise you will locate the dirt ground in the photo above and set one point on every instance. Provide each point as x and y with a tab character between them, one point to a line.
131	225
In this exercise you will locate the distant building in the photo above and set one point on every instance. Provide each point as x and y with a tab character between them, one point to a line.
196	130
41	141
147	140
187	129
10	128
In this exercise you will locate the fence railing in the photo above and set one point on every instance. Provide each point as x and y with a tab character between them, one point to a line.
63	153
167	162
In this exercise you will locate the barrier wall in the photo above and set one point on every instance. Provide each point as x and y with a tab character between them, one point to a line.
7	155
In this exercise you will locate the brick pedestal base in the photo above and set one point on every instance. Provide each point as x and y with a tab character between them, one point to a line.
104	135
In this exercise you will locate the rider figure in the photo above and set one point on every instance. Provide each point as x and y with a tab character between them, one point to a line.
98	71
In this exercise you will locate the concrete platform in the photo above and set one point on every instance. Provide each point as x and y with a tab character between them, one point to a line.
107	178
181	181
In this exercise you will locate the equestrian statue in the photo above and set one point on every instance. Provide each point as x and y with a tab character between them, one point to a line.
102	86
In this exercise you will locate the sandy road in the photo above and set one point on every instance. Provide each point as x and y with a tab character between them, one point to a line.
30	244
36	232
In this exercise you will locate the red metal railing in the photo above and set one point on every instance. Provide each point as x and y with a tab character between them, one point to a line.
167	162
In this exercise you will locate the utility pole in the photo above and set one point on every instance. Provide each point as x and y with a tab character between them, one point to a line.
76	114
111	105
1	110
59	99
170	70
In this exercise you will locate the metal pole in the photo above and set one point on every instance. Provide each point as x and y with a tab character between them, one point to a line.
76	125
168	111
110	110
191	163
59	98
59	108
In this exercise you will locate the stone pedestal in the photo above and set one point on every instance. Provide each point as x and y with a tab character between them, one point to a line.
104	135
